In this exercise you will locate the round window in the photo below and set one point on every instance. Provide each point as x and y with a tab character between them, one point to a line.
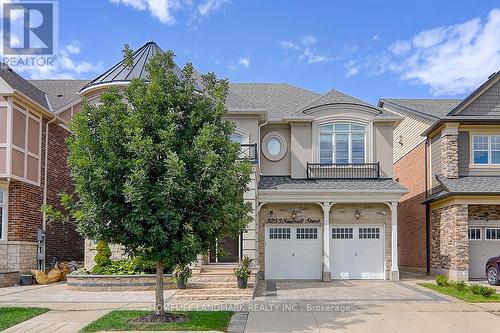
274	146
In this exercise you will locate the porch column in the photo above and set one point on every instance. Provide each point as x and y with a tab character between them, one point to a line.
394	242
326	241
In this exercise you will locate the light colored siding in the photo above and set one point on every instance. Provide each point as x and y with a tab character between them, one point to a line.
410	130
464	159
435	157
488	104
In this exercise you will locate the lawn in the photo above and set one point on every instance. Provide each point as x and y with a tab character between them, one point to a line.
195	321
13	316
464	295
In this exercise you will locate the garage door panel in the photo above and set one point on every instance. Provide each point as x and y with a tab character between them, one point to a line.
479	253
297	257
357	252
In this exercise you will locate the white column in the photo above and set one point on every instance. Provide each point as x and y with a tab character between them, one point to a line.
394	242
326	241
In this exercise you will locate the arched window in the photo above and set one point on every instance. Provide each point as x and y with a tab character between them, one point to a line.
342	143
235	137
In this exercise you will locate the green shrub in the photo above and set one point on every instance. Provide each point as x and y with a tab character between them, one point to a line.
442	281
103	256
458	285
484	291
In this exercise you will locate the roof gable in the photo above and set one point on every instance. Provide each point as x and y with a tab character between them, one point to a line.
487	103
17	82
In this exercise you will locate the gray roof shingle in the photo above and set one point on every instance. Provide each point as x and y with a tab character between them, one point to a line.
22	85
60	92
280	99
371	185
483	184
437	108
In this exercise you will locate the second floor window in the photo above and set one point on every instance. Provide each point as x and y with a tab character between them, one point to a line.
342	143
486	149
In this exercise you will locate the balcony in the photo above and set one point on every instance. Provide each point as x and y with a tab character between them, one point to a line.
343	170
249	152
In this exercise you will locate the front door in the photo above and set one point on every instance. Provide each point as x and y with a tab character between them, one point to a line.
230	251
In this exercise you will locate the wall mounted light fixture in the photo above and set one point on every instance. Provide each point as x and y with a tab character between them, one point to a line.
294	215
357	214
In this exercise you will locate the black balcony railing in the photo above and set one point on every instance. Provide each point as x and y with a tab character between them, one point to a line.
343	171
249	152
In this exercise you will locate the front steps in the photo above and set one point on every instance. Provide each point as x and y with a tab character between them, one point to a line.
215	283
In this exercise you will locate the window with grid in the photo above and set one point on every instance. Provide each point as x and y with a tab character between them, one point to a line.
486	149
342	233
3	217
342	143
279	233
369	233
474	233
492	233
307	233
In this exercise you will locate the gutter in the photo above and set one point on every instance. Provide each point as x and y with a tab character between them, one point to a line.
427	213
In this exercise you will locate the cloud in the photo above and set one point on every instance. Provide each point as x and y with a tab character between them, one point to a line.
73	48
312	58
352	68
244	61
375	37
67	66
400	47
308	40
304	50
161	9
209	6
287	45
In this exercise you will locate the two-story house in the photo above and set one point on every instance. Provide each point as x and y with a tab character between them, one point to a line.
33	170
323	195
447	153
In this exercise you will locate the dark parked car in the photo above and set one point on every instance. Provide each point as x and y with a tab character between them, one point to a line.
492	270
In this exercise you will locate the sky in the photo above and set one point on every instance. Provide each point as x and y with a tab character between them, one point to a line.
367	48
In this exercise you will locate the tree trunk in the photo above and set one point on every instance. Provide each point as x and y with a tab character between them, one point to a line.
160	302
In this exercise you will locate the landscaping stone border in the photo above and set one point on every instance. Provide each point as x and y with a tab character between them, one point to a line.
145	282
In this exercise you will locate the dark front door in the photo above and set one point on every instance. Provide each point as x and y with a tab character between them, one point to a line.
230	251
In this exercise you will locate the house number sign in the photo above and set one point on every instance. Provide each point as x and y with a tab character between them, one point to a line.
292	221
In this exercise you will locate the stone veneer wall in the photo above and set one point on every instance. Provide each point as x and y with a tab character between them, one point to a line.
117	253
306	210
17	256
370	214
449	155
479	212
449	243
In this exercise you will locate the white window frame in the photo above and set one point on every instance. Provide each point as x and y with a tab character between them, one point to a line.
490	239
279	233
480	234
346	232
489	151
307	233
5	205
369	232
349	140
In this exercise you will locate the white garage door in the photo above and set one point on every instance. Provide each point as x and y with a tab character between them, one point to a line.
357	252
484	243
293	252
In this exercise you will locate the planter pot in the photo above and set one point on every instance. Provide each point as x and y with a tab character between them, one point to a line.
242	283
181	283
25	280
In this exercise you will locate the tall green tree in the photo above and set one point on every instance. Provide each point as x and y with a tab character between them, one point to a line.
155	169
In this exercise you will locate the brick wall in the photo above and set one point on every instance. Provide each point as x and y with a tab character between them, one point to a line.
63	241
411	213
480	212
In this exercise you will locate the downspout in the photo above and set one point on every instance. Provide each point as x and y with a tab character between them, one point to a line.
258	145
427	213
45	172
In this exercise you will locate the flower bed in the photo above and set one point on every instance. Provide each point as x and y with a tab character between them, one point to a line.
116	282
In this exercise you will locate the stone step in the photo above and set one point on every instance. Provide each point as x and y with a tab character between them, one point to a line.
213	291
216	284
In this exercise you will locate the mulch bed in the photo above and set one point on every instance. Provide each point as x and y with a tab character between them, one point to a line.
154	318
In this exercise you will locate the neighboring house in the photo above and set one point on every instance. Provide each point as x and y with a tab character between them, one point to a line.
324	201
33	171
447	153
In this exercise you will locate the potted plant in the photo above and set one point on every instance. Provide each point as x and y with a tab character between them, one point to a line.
181	274
243	271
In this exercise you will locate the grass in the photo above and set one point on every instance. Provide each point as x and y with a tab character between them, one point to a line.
464	295
195	321
10	316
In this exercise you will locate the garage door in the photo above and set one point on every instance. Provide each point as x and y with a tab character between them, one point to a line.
484	243
357	252
293	252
